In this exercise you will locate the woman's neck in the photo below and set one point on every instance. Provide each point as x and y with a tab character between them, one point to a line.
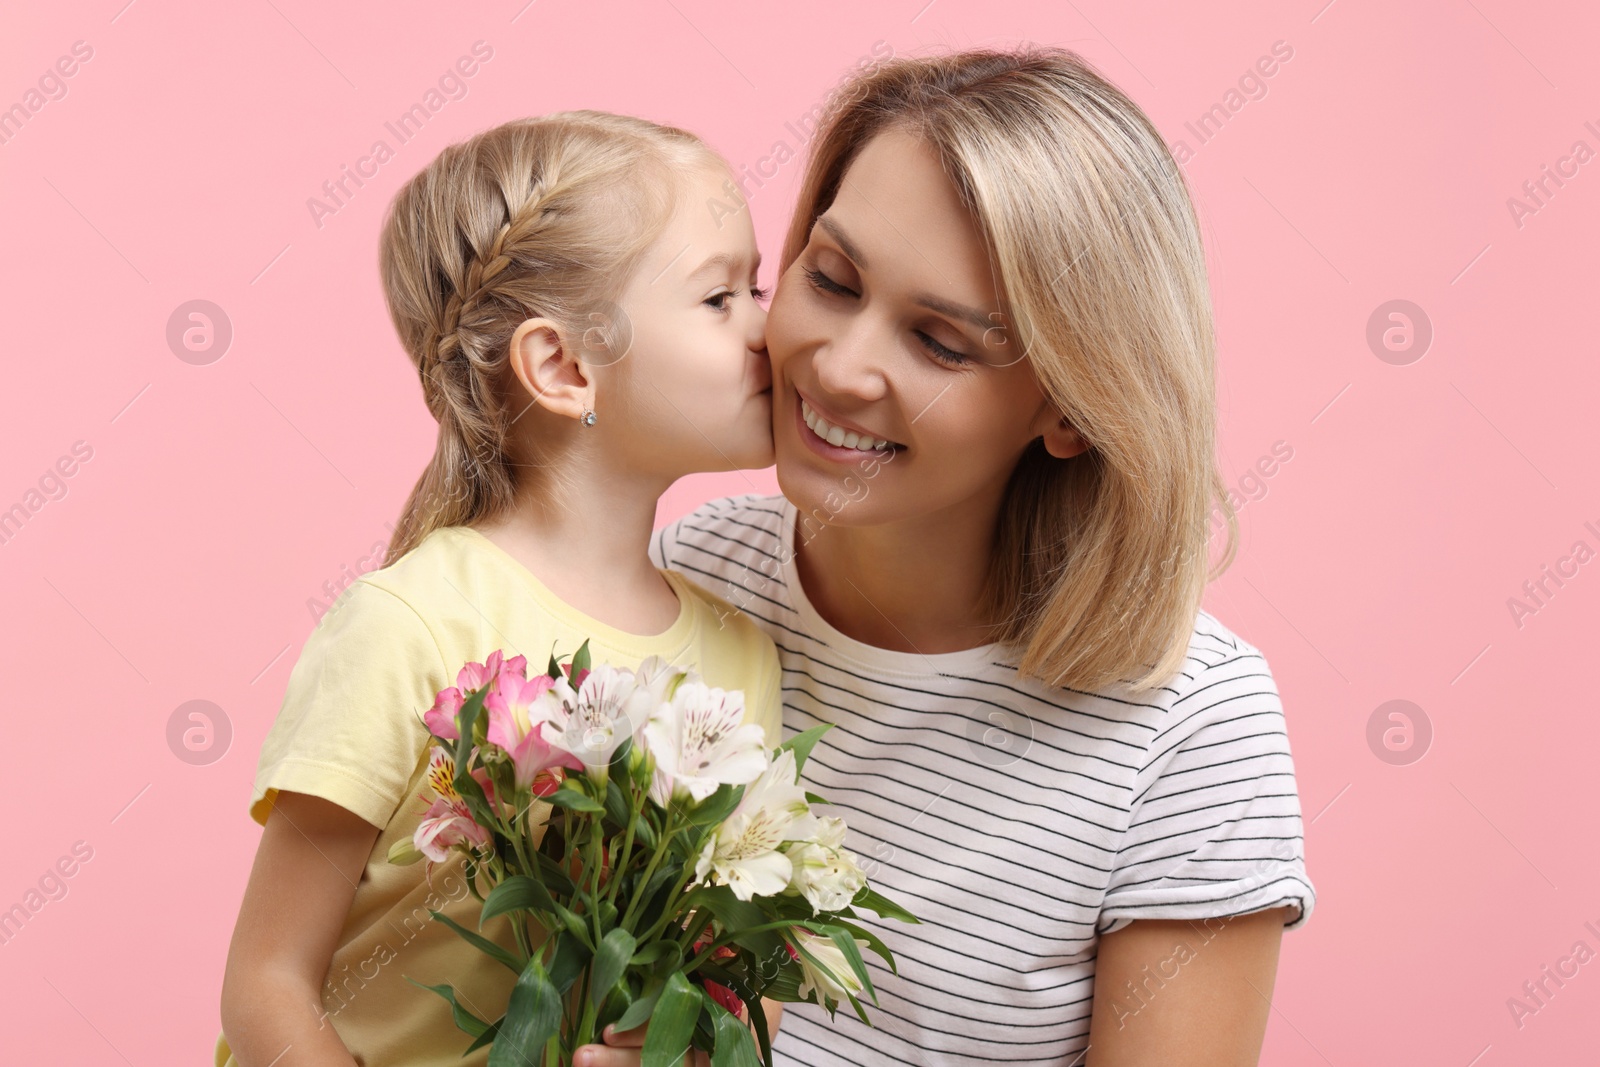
912	586
590	547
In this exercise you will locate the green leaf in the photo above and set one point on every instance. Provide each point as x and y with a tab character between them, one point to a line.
802	743
616	805
465	719
671	1024
570	796
555	879
483	944
615	1005
737	915
654	951
518	893
533	1016
477	803
657	891
640	1010
758	1016
715	808
812	798
571	956
485	1037
852	955
872	940
874	901
735	1047
580	660
464	1018
610	960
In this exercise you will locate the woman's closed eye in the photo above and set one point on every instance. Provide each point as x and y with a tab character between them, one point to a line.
827	284
943	353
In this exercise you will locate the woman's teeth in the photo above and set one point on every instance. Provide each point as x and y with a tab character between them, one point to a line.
834	435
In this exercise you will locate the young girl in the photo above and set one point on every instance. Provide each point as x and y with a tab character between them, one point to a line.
577	292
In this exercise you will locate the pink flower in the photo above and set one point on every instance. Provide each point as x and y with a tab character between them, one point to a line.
475	676
441	718
518	714
447	823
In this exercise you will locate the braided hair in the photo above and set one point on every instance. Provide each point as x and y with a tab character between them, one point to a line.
544	216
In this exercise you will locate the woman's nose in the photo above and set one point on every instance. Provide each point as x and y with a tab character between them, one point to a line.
848	363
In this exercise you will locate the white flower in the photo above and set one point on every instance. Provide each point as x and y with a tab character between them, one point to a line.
700	741
606	710
656	675
743	853
824	872
834	979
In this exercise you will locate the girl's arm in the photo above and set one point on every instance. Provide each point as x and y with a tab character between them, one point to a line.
311	856
1200	991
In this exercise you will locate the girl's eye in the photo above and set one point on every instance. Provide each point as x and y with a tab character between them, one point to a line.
760	293
940	352
826	284
714	298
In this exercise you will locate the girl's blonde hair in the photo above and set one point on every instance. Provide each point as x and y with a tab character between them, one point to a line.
1100	560
544	216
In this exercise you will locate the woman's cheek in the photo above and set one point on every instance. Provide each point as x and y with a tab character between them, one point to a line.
784	322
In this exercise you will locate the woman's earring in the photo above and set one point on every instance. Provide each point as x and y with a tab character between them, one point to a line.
587	418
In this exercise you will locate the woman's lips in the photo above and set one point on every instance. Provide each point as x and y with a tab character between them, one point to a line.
838	453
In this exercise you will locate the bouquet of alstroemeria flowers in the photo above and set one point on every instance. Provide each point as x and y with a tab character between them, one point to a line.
656	863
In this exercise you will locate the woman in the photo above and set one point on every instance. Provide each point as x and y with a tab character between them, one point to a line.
994	415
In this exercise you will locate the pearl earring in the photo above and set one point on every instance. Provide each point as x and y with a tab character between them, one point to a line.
587	418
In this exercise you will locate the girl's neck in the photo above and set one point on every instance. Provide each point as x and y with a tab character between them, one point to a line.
912	586
590	547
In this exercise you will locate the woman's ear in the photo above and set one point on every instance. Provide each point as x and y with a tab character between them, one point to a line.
1062	441
549	368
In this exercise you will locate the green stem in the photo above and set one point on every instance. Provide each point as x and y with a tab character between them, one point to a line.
594	879
672	910
627	840
667	833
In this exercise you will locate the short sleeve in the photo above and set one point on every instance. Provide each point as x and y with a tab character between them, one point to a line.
350	727
663	543
1215	828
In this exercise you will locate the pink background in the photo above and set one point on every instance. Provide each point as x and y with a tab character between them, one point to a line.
1377	563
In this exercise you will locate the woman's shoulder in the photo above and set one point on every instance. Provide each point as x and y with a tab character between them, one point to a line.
1224	683
750	524
1221	675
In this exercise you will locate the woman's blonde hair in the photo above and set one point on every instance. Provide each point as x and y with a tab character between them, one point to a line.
544	216
1101	560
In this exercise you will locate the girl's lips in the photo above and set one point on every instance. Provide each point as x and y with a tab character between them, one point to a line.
837	453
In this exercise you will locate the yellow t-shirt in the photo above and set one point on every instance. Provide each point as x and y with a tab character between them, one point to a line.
350	731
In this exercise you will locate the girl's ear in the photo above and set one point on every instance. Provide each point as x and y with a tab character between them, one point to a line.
549	368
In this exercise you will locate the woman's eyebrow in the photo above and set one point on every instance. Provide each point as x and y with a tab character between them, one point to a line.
970	315
845	243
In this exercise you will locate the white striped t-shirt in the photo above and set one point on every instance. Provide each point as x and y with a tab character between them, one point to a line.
1017	821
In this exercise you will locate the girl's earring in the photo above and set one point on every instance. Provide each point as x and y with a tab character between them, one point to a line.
587	418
